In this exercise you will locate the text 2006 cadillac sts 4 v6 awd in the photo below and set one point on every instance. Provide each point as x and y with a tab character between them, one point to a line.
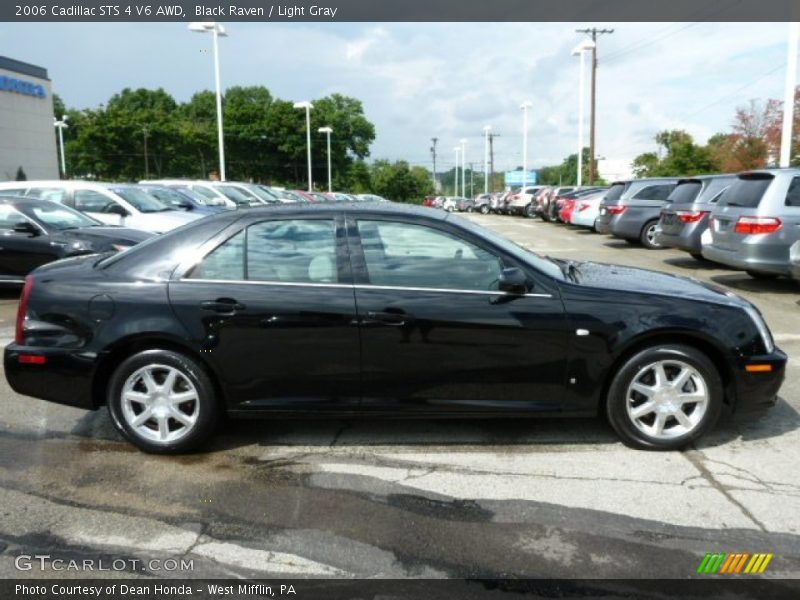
380	310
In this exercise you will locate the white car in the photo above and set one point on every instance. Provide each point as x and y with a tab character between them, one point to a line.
587	209
113	204
521	204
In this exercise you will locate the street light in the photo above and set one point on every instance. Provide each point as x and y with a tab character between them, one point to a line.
463	143
486	130
307	106
525	106
788	100
61	126
217	32
455	193
328	131
579	51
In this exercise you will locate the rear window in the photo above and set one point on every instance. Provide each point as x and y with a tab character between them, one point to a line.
654	192
685	193
746	192
615	193
793	195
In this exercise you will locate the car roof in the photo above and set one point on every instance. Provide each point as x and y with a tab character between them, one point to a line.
350	207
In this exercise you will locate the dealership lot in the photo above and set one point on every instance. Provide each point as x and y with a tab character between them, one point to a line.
416	498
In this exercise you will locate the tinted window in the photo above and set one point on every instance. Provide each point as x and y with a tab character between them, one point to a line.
685	193
169	196
141	200
295	251
292	251
225	262
654	192
91	201
58	216
615	192
793	195
406	255
745	191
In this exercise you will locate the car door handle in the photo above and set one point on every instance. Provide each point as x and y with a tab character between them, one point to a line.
222	305
395	319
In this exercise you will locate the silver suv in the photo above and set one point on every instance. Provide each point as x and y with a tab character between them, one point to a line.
688	210
756	222
631	209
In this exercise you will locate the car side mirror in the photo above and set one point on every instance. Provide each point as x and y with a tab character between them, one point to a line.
116	209
185	205
513	281
26	227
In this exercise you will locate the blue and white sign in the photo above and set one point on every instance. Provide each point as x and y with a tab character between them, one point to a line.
20	86
514	178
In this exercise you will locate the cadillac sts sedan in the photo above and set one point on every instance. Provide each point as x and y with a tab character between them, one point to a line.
381	310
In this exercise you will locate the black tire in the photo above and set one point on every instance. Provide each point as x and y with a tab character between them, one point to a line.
646	236
484	209
761	275
697	256
530	212
208	410
617	400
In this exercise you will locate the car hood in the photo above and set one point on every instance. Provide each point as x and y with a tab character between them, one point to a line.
632	279
100	237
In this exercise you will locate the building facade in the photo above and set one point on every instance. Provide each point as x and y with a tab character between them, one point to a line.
27	136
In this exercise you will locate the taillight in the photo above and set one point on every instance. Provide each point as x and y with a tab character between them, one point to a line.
755	225
690	216
22	309
617	210
583	206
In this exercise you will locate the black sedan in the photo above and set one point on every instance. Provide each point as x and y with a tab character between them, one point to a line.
375	309
34	232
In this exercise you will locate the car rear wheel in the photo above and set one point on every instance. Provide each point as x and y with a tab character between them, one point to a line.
484	209
530	212
761	275
663	398
648	236
163	402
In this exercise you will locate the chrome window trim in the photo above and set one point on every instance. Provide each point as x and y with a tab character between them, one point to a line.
359	286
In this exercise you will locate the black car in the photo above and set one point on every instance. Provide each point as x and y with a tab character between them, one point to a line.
34	232
374	309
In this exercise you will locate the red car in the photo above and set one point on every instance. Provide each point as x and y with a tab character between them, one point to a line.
566	207
428	200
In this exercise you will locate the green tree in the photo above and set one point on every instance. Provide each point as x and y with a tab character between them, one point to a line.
21	175
681	157
397	181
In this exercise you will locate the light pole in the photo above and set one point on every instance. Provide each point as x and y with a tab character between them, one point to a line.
579	51
455	179
463	143
61	126
788	99
307	106
328	131
486	131
525	106
217	31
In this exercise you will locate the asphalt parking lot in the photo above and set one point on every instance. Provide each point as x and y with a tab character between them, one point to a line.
557	498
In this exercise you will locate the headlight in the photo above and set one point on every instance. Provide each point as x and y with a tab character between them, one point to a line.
81	246
761	325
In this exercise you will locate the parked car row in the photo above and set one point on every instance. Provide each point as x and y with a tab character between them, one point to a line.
42	221
749	221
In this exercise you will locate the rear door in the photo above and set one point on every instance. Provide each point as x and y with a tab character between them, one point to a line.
271	306
437	336
742	198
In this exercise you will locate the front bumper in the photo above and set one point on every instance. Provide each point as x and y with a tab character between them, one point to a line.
758	391
64	378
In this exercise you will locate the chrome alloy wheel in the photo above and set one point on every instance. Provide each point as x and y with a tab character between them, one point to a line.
651	235
667	399
160	403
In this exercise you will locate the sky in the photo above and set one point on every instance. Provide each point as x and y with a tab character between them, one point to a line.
444	80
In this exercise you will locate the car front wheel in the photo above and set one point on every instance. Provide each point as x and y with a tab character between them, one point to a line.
163	402
484	209
663	398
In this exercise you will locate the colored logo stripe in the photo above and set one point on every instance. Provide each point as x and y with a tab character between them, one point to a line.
730	564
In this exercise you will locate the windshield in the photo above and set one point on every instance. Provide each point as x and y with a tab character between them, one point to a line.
545	265
57	216
262	194
140	200
168	196
234	194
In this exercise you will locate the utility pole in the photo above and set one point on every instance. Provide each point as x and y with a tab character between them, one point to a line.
491	160
471	181
433	152
145	135
594	32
